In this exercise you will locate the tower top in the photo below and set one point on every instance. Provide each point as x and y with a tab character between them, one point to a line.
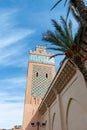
41	56
41	50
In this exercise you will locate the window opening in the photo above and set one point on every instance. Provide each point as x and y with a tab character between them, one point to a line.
46	75
37	74
34	100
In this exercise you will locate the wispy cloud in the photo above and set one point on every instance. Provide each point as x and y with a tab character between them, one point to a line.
11	105
13	56
14	36
10	88
11	99
10	31
11	36
16	80
11	102
6	97
6	114
6	19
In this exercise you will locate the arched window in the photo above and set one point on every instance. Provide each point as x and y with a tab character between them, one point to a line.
34	100
37	74
46	75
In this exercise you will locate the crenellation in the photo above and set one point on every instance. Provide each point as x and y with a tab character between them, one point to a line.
40	50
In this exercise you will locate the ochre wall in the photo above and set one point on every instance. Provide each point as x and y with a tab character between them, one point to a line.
74	104
69	110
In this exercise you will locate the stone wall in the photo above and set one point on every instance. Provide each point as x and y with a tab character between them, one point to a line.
68	111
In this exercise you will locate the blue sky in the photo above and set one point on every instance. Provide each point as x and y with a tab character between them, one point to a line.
22	23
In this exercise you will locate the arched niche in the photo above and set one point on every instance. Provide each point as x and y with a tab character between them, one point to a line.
53	121
76	116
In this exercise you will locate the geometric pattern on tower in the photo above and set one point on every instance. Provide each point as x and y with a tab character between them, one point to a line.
41	80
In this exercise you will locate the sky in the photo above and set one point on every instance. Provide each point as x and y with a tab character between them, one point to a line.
22	23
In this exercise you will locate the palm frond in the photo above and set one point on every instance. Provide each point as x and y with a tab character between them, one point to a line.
70	30
49	36
65	2
56	4
79	35
54	39
64	41
63	33
67	29
75	14
68	11
58	28
59	54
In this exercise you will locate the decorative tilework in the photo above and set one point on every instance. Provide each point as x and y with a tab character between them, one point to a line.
40	83
41	59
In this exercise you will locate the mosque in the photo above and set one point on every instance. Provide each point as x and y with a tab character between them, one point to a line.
54	101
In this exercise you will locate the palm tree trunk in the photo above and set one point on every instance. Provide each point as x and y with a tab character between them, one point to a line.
80	6
80	59
81	66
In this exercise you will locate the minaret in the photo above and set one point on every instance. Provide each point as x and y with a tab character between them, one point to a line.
41	71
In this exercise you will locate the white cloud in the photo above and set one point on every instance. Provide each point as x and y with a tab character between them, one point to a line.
13	56
9	33
7	111
2	94
7	98
10	36
10	88
14	37
6	18
11	105
14	80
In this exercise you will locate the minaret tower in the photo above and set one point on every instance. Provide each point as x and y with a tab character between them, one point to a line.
41	71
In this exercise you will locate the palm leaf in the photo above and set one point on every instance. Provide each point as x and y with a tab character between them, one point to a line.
58	28
63	41
65	2
52	38
76	15
68	30
69	8
79	35
64	34
57	55
56	4
49	36
62	38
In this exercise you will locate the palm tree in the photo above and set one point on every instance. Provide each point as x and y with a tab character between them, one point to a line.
80	61
63	41
79	9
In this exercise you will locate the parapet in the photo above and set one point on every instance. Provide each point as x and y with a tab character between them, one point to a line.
40	50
